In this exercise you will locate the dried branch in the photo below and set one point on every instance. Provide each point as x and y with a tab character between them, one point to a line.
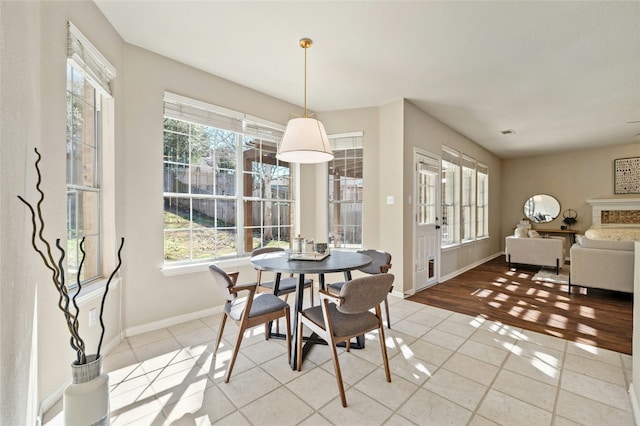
106	290
81	354
63	303
58	270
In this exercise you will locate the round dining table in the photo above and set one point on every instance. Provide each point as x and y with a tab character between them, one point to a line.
285	262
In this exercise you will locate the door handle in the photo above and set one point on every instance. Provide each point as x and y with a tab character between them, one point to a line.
437	226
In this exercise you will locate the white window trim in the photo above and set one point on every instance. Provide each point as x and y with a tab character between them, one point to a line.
464	160
193	266
334	136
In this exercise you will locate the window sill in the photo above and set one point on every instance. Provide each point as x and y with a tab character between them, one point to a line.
191	268
94	289
449	247
464	243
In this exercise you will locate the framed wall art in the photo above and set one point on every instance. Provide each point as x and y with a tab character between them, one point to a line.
626	175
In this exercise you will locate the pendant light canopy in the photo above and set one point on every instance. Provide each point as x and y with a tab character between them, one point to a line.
305	139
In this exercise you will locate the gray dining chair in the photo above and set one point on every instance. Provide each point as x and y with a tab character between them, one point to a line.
249	311
340	318
287	285
380	264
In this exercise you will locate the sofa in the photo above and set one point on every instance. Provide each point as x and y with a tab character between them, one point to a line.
604	258
535	250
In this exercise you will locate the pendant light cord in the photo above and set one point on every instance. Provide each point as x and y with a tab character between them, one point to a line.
305	81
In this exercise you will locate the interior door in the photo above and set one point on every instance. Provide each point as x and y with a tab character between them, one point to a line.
426	225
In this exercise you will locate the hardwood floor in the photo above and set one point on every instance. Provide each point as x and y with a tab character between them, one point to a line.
594	317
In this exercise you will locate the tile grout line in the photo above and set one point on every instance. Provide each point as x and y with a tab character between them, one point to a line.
554	413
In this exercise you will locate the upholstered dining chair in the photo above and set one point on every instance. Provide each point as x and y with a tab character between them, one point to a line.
287	285
340	318
380	264
249	311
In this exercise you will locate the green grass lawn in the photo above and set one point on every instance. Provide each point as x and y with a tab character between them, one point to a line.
207	242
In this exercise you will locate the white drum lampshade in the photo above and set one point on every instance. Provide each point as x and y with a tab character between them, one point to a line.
305	141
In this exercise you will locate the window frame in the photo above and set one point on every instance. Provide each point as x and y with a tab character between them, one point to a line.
86	65
244	128
344	142
468	199
482	220
460	196
450	198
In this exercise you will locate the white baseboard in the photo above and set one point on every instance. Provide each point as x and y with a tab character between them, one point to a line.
168	322
469	267
635	408
451	275
398	294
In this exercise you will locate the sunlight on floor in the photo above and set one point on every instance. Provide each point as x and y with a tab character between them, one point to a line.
585	329
445	356
587	312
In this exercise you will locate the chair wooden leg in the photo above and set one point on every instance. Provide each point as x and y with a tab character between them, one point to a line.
386	308
336	367
383	348
348	345
236	349
299	348
287	318
219	338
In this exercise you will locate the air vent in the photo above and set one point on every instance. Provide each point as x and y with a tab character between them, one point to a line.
508	132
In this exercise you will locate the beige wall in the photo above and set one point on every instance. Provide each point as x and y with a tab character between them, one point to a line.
390	169
571	177
36	355
428	134
151	296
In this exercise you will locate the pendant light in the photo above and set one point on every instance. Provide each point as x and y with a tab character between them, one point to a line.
305	139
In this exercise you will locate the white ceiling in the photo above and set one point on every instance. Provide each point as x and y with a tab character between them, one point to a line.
562	75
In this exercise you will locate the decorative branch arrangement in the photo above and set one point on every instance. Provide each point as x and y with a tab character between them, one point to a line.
43	248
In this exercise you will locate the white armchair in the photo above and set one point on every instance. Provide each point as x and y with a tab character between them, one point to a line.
535	251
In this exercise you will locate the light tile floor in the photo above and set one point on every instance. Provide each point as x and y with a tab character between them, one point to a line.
447	368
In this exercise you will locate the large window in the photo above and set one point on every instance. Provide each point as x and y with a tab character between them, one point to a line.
450	197
465	198
468	200
482	201
88	86
225	193
345	191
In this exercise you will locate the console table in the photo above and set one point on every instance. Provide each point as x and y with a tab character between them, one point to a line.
571	232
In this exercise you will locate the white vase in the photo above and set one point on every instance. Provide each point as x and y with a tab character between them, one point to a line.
86	399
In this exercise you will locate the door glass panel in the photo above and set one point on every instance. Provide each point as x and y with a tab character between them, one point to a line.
426	202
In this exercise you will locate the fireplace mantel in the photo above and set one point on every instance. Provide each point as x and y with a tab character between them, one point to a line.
610	205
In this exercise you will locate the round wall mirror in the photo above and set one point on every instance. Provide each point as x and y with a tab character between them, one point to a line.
541	208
